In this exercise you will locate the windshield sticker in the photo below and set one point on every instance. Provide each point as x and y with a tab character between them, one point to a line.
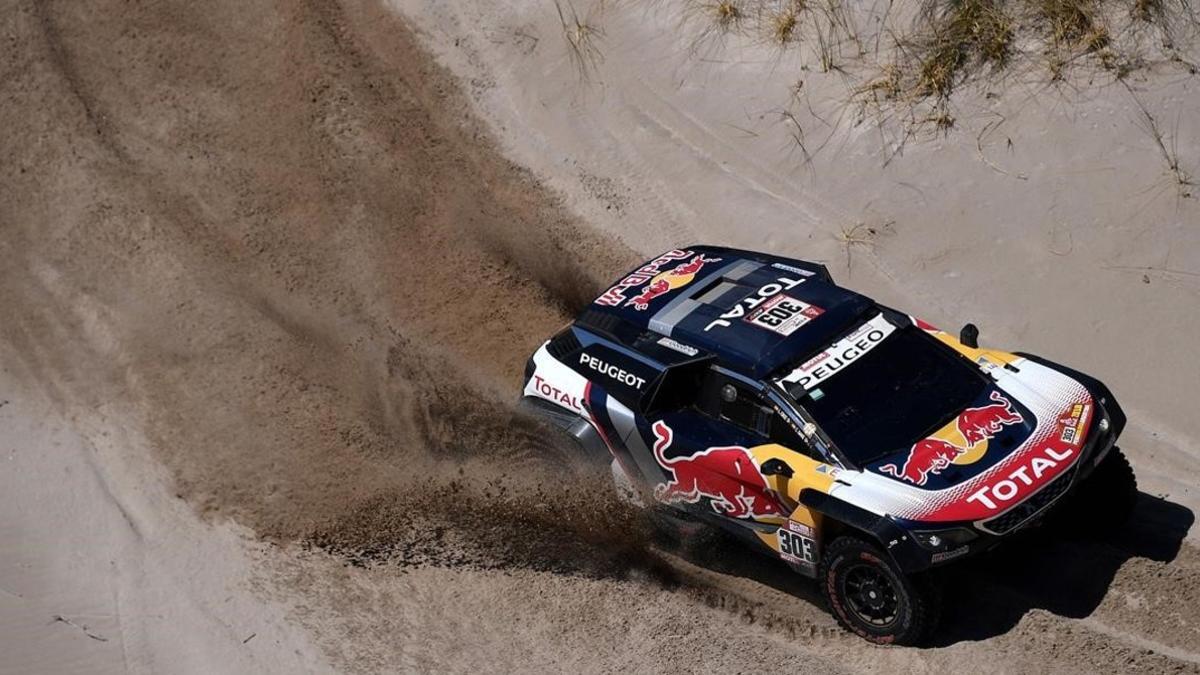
783	314
844	352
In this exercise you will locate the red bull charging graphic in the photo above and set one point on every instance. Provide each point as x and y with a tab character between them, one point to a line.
663	283
963	441
728	476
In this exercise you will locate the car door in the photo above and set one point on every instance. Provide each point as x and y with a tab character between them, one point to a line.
705	452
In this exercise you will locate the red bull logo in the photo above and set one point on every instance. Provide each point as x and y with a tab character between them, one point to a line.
728	476
963	441
663	283
928	455
979	424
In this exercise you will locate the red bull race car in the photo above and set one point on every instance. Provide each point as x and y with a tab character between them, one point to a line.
859	445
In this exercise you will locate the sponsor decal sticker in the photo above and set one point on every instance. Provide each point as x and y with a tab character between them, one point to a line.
1073	423
750	303
844	352
924	325
1012	487
611	371
797	545
783	314
727	476
792	268
614	296
555	394
986	365
800	528
665	282
656	282
678	346
963	441
802	432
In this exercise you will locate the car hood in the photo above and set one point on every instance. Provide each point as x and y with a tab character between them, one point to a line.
983	433
1025	429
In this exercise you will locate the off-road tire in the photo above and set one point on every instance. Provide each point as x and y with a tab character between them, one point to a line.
1105	499
685	536
847	560
547	435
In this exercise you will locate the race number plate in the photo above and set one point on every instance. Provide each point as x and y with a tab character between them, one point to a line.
797	545
783	314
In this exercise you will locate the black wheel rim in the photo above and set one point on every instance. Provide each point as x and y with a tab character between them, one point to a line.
871	595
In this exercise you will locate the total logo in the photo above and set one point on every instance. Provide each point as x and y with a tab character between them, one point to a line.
1006	490
963	441
553	393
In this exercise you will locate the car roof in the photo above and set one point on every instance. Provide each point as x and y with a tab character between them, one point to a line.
713	300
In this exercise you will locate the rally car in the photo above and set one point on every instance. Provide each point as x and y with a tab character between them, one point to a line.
859	445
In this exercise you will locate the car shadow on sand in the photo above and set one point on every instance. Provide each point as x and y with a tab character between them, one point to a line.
1049	567
1054	569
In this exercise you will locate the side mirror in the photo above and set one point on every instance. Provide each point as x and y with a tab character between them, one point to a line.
969	336
777	467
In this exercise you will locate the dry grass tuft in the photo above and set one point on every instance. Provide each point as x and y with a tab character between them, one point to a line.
1167	149
582	37
960	32
1146	10
1073	24
941	120
782	25
886	85
859	234
728	14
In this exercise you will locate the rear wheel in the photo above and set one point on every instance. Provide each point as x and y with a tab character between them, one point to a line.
869	595
551	436
683	535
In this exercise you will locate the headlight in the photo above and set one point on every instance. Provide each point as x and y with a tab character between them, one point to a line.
942	539
1104	425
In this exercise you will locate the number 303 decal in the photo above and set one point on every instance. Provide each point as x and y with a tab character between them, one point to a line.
795	547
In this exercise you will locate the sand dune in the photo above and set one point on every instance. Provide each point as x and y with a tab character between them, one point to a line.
272	274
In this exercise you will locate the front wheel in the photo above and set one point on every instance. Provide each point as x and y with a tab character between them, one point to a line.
1103	502
869	595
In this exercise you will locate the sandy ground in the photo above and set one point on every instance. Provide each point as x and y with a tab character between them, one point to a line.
270	283
105	571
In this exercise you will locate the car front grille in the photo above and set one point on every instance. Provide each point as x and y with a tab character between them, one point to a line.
1023	512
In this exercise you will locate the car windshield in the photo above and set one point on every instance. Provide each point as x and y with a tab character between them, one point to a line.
899	391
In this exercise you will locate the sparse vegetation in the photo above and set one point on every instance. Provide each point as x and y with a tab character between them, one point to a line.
902	63
912	53
862	235
1071	26
727	14
582	35
1167	148
961	32
782	24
